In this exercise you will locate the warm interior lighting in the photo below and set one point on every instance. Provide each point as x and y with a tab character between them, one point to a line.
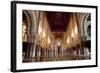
58	44
24	32
23	29
68	40
44	34
39	30
72	34
76	30
49	40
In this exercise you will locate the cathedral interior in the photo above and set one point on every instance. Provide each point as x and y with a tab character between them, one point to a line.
55	36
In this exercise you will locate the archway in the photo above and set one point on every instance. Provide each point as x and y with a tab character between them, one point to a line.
26	32
86	36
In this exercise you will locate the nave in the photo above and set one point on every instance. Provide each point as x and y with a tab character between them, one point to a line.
55	36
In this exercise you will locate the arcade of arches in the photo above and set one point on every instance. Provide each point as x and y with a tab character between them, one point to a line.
55	36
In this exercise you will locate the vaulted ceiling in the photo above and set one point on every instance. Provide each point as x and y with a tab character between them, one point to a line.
58	22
